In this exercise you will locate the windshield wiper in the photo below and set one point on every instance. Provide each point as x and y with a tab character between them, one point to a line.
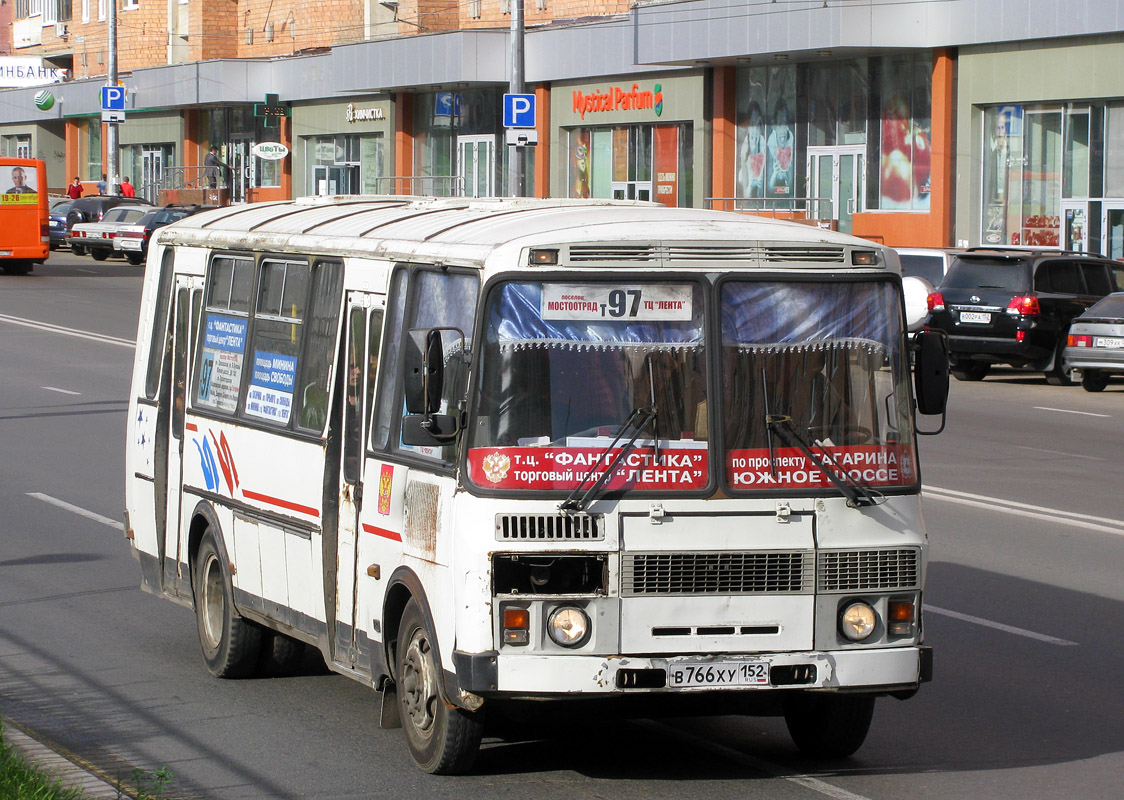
857	495
639	418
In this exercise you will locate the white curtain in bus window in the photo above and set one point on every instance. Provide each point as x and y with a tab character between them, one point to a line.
827	356
22	186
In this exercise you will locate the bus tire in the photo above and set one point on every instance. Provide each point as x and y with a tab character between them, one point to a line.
442	740
281	654
231	645
828	725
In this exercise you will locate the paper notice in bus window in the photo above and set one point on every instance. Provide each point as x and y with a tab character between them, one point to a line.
270	395
610	301
220	369
563	468
789	468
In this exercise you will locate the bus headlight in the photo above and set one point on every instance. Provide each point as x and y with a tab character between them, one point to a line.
857	621
568	626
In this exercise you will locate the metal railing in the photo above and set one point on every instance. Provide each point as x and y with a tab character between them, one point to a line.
820	208
190	185
421	185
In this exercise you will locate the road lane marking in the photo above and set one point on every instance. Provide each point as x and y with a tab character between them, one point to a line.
46	498
999	626
1071	411
1057	452
759	764
46	326
1057	515
60	391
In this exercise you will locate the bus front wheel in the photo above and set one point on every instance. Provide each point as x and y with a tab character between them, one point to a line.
442	740
231	645
828	725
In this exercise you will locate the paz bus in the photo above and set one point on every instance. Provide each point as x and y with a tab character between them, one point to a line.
25	238
483	453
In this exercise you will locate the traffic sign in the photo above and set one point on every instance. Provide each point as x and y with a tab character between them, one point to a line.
113	98
519	111
113	116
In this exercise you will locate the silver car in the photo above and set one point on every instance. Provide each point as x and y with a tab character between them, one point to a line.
1095	344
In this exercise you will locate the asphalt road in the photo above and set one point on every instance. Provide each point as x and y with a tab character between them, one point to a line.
1025	602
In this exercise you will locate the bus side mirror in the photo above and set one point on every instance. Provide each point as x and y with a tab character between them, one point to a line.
425	371
930	373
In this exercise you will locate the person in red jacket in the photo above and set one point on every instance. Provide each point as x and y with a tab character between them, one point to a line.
74	190
127	189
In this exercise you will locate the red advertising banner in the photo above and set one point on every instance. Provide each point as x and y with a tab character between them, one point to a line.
869	465
563	468
666	157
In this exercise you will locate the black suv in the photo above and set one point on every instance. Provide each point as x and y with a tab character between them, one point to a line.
1011	306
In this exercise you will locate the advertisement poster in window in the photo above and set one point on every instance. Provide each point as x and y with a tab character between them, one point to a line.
781	141
580	163
751	151
904	176
220	369
22	186
667	164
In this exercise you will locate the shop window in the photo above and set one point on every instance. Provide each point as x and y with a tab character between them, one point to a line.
1114	151
631	162
905	130
766	136
1075	173
1022	176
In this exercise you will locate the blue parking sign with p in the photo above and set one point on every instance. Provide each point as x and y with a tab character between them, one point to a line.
519	111
113	98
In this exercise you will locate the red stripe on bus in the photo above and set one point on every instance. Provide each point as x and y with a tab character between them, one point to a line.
383	532
191	426
277	501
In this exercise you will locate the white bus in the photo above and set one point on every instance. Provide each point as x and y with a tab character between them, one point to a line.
490	452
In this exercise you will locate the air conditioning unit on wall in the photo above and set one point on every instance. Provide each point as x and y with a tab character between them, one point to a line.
60	30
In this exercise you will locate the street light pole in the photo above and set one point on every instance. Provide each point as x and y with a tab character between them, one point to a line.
517	155
111	80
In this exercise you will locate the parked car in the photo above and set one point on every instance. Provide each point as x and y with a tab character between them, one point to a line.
132	240
96	238
1014	306
92	209
57	221
1095	344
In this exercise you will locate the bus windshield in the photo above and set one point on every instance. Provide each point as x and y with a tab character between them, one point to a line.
566	365
827	358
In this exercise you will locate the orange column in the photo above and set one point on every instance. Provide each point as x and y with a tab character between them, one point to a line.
542	150
403	139
73	153
724	135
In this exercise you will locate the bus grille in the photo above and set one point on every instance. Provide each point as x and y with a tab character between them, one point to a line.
549	527
716	573
868	570
672	255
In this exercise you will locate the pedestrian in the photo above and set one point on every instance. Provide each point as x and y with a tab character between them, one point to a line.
127	189
74	190
214	166
102	184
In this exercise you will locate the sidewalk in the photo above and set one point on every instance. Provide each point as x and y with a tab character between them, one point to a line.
59	767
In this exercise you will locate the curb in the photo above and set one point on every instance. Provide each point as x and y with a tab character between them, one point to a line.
59	767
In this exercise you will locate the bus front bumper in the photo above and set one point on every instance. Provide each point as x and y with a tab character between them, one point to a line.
887	670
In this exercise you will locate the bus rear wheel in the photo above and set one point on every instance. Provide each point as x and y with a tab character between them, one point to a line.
231	645
442	740
828	725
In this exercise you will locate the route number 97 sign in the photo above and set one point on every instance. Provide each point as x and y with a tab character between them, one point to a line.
609	301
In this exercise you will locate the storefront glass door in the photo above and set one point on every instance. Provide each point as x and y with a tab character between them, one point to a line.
476	165
1075	221
1112	228
152	175
242	169
835	180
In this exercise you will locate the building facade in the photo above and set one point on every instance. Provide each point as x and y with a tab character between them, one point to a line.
960	122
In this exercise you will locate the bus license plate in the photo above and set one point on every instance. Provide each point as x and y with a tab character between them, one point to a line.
974	316
690	674
1110	342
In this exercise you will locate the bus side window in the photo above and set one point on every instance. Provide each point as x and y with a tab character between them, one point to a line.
223	334
311	400
389	406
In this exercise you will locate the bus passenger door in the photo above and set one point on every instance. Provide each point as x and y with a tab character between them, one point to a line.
185	319
359	361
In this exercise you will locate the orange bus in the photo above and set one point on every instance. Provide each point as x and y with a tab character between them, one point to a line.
25	238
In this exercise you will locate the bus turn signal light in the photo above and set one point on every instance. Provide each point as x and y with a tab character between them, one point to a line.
901	616
516	625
